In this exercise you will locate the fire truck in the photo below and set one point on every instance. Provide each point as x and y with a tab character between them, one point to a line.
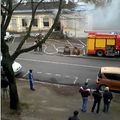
103	44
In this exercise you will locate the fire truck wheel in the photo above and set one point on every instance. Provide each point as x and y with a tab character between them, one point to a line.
100	53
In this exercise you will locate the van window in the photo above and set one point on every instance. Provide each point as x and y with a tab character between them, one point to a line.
112	76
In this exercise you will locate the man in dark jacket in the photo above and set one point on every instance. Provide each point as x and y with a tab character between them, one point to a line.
97	99
107	97
75	116
85	92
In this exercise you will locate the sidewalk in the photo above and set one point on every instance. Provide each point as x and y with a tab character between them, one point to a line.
54	102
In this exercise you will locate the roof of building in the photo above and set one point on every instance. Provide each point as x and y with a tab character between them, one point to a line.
45	6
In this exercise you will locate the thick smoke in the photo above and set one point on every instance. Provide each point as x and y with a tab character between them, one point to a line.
107	18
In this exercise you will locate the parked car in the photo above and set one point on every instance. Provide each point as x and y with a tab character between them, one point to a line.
110	77
17	67
8	37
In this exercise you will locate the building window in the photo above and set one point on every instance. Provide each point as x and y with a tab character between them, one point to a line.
46	22
35	22
24	22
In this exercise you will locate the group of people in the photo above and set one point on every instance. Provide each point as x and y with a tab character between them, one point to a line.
85	93
97	95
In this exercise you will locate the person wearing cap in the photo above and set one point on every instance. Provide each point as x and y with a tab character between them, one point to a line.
107	97
85	92
75	116
97	99
30	77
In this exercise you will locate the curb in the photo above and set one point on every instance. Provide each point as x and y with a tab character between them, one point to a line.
48	83
91	57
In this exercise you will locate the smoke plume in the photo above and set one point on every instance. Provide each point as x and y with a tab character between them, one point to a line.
107	18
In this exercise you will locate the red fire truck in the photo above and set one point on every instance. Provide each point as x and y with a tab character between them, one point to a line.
101	44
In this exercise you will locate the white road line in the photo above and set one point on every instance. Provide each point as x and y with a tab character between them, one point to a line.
70	43
51	52
67	76
58	75
45	48
76	78
26	74
59	63
82	43
39	72
55	48
48	73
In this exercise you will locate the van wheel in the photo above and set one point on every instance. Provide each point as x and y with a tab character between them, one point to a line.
102	87
100	53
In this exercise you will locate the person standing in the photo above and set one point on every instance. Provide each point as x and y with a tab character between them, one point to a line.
4	85
35	42
97	99
30	76
107	97
40	47
85	92
75	116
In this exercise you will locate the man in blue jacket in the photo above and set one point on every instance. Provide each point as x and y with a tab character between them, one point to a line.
30	77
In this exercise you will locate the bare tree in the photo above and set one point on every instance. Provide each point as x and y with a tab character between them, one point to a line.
7	10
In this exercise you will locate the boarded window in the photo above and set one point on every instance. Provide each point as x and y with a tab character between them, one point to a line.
35	22
46	22
24	22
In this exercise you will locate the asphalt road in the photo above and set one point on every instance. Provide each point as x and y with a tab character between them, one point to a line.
49	67
62	70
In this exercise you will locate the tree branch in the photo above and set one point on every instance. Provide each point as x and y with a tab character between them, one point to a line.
3	14
55	22
7	21
30	26
18	51
5	8
17	5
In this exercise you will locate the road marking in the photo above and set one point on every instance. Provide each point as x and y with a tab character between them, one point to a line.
82	43
70	43
58	75
67	76
48	73
39	72
51	52
55	48
76	78
59	63
26	74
